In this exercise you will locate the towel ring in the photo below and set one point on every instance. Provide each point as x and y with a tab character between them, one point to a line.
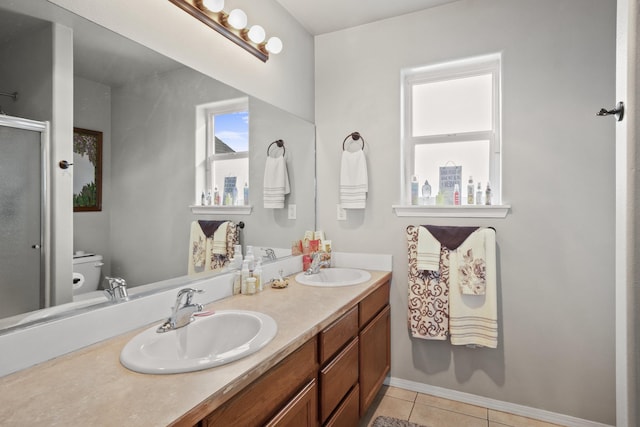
279	143
355	136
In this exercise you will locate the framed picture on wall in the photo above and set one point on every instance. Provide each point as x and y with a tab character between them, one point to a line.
87	170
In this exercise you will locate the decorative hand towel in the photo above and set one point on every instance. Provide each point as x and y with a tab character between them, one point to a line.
353	180
211	245
472	262
197	250
473	319
428	253
276	182
448	236
428	314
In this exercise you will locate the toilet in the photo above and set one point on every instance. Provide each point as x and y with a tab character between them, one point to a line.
87	268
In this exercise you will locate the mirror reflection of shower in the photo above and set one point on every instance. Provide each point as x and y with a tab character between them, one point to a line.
12	95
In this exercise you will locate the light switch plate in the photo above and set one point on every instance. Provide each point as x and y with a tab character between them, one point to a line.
292	211
342	214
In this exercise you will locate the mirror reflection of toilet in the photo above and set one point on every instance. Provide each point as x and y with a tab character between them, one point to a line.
87	269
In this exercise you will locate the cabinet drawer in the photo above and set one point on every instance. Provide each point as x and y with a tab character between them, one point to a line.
266	396
373	303
347	414
339	333
337	378
302	410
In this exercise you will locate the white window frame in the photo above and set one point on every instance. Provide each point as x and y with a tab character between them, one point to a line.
205	153
225	107
488	64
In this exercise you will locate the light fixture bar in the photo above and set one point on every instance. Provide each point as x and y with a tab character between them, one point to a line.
212	20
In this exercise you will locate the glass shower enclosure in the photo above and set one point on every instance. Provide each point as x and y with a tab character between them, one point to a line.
24	149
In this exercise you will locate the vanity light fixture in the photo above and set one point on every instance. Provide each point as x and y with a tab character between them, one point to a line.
233	26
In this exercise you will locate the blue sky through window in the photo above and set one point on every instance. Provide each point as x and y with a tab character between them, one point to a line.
233	130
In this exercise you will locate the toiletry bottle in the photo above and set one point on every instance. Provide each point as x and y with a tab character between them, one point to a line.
487	200
245	275
251	285
202	199
257	273
456	195
414	190
237	282
479	195
216	197
470	191
234	197
249	257
209	197
426	189
246	193
237	253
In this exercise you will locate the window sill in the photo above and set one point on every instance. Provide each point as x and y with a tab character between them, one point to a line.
464	211
221	210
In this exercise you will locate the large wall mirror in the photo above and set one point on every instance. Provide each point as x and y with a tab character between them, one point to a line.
144	105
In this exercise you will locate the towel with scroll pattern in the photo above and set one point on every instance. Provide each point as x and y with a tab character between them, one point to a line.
354	180
211	245
428	315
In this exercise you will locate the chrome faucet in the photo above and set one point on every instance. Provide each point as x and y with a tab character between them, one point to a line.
117	290
182	314
317	263
270	254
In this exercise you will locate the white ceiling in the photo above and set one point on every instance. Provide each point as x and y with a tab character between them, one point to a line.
325	16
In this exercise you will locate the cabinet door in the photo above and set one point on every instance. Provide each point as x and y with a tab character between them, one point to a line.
375	357
259	401
301	411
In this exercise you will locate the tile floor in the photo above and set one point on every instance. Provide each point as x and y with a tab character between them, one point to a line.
434	411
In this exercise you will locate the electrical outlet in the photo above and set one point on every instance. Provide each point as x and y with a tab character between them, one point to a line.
292	211
342	214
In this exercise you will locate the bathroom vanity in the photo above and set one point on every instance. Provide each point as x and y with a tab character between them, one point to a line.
324	367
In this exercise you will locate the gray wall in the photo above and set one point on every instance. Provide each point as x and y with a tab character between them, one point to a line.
92	110
152	183
555	248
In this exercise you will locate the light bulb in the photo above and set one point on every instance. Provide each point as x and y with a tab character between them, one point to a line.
213	5
237	19
274	45
256	34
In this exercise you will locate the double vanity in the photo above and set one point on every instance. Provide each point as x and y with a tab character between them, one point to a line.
324	365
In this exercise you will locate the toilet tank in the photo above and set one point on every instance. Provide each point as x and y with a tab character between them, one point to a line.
87	269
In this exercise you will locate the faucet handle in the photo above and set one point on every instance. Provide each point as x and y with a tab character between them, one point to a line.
189	292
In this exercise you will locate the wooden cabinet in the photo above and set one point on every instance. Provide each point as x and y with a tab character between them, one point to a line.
264	398
375	344
330	380
301	411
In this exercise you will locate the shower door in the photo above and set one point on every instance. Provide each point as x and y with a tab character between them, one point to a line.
21	241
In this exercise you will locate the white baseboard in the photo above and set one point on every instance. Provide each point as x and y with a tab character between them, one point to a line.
497	405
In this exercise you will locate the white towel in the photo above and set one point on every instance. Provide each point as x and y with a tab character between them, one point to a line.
276	182
473	319
219	240
428	256
353	180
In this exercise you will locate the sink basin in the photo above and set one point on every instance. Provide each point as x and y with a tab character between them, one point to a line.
210	341
333	277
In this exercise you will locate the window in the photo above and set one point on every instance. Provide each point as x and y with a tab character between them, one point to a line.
223	151
451	117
